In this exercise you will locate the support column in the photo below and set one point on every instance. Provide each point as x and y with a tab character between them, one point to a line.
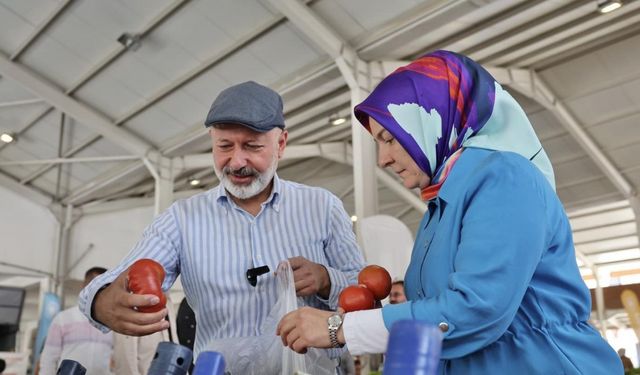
161	168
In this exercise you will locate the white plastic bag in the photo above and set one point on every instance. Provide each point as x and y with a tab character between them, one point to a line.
265	354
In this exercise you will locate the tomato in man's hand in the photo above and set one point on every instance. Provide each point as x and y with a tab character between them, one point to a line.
377	280
146	277
356	297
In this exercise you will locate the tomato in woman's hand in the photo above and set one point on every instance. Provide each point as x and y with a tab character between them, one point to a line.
377	280
356	297
146	277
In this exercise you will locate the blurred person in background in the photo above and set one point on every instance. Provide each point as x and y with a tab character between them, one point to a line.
71	336
397	292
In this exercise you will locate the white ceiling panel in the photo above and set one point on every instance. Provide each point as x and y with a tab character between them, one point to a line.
206	87
14	118
195	33
236	18
576	170
615	244
617	132
626	157
135	74
563	148
374	13
605	232
588	193
53	60
245	66
107	94
81	37
186	109
102	147
156	125
615	214
601	105
568	79
283	51
111	18
13	28
546	125
32	11
342	22
159	54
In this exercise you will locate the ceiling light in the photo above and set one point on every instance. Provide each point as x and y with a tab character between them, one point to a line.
336	119
7	137
194	182
354	218
130	41
609	6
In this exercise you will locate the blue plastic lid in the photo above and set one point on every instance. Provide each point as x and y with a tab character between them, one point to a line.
209	363
413	348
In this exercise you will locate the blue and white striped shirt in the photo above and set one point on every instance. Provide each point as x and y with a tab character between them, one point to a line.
211	242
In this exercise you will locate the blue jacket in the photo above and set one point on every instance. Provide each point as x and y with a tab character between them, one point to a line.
494	261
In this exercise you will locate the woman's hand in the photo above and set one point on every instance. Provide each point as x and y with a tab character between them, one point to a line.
306	328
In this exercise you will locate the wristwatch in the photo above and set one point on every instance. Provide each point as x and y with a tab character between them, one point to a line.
333	323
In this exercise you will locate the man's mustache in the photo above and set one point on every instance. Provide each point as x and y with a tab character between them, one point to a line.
242	172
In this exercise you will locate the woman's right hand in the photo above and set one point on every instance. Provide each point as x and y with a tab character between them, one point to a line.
114	306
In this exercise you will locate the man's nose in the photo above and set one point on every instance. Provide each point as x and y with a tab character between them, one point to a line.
238	160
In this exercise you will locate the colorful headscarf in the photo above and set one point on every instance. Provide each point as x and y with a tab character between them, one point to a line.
442	102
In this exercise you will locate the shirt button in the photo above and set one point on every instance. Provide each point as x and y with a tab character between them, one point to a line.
444	327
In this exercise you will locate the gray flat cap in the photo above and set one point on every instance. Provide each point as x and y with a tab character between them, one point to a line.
250	104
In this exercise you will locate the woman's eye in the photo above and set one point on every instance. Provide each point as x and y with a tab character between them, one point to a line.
389	141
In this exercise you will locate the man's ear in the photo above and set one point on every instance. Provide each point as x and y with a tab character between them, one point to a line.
282	142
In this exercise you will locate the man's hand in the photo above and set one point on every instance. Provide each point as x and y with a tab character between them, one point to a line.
310	278
114	307
307	328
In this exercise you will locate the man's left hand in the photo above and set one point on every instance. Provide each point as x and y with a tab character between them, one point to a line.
310	278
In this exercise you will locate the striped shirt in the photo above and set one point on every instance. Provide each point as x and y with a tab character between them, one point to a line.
211	242
71	336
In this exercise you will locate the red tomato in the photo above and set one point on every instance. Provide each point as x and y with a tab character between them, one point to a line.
377	280
146	277
356	297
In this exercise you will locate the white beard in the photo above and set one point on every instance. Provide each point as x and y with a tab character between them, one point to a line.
259	183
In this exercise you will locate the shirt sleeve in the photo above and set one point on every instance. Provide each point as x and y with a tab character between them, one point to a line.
50	356
365	332
160	241
344	257
502	239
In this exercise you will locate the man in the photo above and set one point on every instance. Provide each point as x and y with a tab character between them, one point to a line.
397	292
71	336
626	361
218	238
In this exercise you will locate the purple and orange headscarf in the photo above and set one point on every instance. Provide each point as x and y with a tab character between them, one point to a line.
442	102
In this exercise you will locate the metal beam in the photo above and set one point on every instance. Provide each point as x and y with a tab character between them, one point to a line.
85	115
25	191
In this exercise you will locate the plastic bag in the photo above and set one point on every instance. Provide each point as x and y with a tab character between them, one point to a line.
265	354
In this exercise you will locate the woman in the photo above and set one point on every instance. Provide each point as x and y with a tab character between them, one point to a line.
493	263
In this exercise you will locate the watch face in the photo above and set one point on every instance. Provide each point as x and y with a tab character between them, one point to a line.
334	321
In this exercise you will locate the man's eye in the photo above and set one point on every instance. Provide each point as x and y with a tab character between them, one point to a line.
389	140
254	147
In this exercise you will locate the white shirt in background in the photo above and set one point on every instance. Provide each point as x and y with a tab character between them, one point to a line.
71	336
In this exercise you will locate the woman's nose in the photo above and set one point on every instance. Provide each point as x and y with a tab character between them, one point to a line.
384	159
